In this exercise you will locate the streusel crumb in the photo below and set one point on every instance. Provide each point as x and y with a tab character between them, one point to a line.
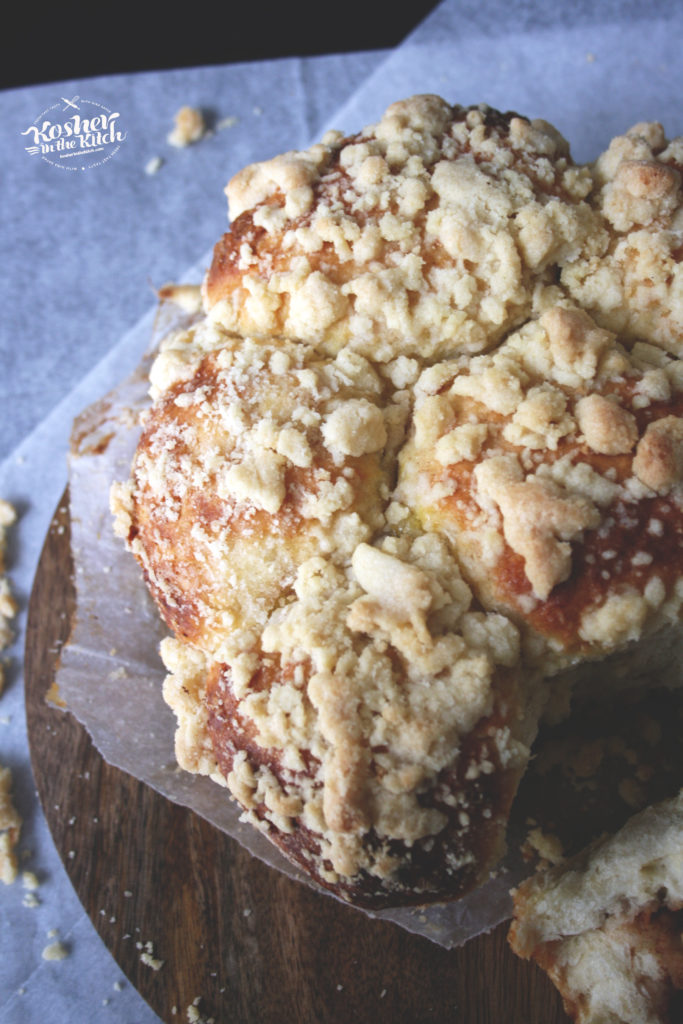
8	604
190	127
10	828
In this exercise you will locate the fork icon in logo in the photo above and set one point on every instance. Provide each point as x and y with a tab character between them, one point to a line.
70	103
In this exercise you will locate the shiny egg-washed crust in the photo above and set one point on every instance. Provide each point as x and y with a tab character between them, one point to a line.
394	479
607	926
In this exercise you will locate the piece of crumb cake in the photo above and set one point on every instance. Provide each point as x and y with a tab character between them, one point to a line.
607	926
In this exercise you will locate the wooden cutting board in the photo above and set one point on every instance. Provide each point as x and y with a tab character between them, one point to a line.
256	947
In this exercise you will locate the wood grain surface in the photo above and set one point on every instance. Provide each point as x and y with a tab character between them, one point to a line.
255	947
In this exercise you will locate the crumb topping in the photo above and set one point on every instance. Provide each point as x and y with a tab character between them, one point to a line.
420	449
635	287
260	458
543	462
350	656
423	235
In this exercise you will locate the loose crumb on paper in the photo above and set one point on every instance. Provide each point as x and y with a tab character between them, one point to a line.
10	828
55	950
29	880
31	883
190	127
8	605
154	165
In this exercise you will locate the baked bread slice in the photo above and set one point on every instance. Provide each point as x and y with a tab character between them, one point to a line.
607	926
393	481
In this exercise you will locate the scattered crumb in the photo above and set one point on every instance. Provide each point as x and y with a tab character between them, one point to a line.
118	986
190	127
10	828
148	958
227	122
545	845
53	698
154	165
55	951
194	1014
31	900
29	880
151	961
8	606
